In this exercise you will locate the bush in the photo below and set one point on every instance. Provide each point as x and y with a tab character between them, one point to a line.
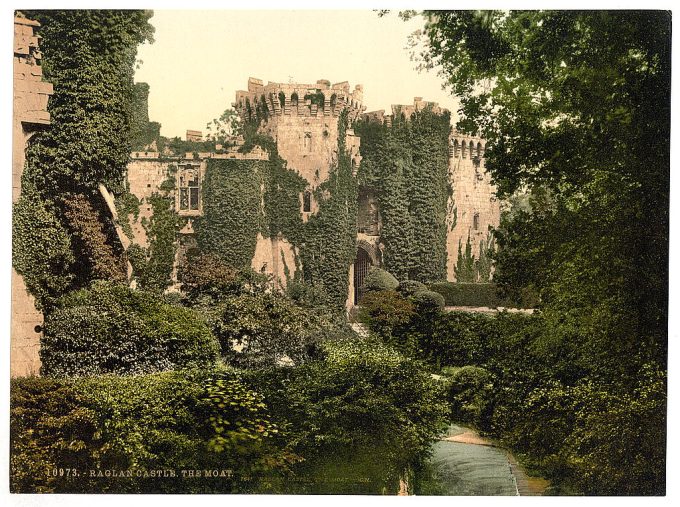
187	420
470	390
113	329
410	287
385	310
428	302
379	279
478	294
467	294
258	330
361	401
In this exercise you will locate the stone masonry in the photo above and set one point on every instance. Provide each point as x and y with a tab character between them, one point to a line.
474	208
31	94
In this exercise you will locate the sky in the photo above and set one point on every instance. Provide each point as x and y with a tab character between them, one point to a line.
200	58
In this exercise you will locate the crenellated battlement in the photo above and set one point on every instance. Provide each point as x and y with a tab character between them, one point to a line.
297	99
405	111
466	146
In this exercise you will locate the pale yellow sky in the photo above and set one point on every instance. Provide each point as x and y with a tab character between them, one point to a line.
200	58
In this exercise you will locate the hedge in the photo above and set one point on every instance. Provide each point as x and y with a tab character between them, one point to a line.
478	294
113	329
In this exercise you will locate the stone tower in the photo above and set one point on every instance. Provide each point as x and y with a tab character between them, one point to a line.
474	208
303	120
31	94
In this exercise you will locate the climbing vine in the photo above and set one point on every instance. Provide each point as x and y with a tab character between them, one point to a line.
232	210
406	163
473	270
89	57
330	235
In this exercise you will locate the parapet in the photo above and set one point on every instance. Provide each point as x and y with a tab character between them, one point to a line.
464	145
298	99
418	105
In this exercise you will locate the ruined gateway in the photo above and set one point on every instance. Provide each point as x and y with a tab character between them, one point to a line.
306	135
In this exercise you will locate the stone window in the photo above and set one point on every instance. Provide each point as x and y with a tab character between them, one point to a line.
189	188
307	141
475	221
307	202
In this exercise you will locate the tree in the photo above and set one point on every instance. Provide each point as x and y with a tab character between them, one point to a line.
575	107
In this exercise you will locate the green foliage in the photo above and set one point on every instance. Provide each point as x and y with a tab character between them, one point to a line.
155	274
363	400
89	238
263	329
379	279
385	310
407	165
89	57
410	287
480	294
330	235
577	111
465	265
113	329
232	214
470	390
176	421
143	132
127	204
427	301
41	249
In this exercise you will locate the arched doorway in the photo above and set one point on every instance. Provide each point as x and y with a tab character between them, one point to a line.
361	266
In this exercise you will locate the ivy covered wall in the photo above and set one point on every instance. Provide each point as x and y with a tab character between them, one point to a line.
89	57
406	164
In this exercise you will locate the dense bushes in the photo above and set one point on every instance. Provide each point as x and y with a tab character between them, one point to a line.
350	422
478	294
170	421
112	329
364	412
549	403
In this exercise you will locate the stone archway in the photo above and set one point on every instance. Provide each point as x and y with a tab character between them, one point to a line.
361	266
368	255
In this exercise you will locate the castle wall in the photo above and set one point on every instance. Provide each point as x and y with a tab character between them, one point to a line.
473	196
30	113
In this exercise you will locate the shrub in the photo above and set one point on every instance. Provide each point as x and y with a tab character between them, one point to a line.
384	310
189	420
470	390
256	330
379	279
41	249
428	302
410	287
479	294
361	401
113	329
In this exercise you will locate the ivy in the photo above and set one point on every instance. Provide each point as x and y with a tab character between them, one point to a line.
89	236
89	57
41	249
329	246
127	204
153	266
406	164
232	210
